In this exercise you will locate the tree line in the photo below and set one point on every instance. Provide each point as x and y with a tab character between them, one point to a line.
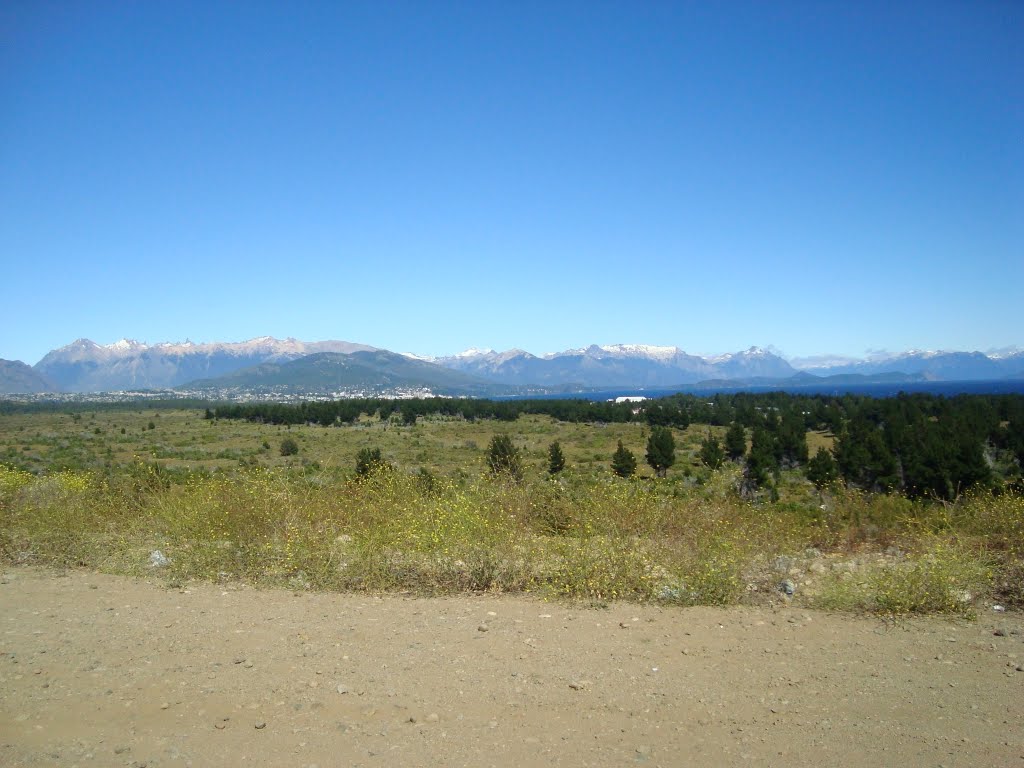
919	444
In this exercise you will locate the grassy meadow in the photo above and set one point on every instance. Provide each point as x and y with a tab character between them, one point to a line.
103	489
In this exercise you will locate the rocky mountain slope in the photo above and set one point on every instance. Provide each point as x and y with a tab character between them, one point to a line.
84	366
617	365
362	371
16	377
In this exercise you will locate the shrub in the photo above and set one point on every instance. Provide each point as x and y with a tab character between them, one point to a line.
369	460
289	447
503	457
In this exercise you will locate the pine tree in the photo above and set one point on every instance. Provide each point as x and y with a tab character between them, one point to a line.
556	459
661	450
822	470
735	441
761	461
503	457
623	461
711	453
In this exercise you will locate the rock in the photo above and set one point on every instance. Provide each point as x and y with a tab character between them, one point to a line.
666	592
482	628
1000	632
158	559
782	564
579	685
260	725
787	587
998	608
342	689
433	717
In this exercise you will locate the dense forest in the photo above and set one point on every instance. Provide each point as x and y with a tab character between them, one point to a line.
918	444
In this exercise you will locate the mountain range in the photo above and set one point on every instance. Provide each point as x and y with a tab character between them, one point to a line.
270	364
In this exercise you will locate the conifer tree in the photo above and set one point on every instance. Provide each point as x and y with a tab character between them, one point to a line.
711	453
503	457
661	450
556	459
623	461
735	441
822	470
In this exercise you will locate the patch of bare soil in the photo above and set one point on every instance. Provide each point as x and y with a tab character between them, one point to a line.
105	671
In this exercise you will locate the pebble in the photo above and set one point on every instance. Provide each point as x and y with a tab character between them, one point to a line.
787	587
260	725
1000	632
433	717
342	689
482	628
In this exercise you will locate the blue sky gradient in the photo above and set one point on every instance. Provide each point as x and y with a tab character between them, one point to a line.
424	177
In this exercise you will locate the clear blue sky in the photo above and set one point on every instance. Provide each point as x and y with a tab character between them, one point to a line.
427	176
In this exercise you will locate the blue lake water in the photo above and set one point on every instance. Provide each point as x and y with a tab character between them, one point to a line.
944	388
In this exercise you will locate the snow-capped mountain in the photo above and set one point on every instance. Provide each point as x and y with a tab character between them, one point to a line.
933	365
615	365
85	366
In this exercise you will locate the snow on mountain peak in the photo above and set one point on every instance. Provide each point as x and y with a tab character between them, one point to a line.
474	352
125	345
641	350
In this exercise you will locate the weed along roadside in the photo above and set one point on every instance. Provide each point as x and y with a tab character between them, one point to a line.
449	505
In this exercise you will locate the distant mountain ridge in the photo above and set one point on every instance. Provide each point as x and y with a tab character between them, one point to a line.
126	365
84	366
934	366
363	371
615	365
18	378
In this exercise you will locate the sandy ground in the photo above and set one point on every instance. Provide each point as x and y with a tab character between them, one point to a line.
105	671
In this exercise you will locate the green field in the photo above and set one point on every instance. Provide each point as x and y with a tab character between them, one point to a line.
104	488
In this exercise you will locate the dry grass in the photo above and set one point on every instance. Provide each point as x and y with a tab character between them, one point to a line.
308	523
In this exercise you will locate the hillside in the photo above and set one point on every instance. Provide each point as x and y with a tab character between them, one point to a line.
330	372
84	366
18	378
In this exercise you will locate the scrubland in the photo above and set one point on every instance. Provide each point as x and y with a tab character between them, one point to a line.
105	490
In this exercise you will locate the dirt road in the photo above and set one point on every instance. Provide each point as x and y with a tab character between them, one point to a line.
105	671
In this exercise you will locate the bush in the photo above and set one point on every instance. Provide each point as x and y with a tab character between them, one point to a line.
289	447
503	457
369	460
944	578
